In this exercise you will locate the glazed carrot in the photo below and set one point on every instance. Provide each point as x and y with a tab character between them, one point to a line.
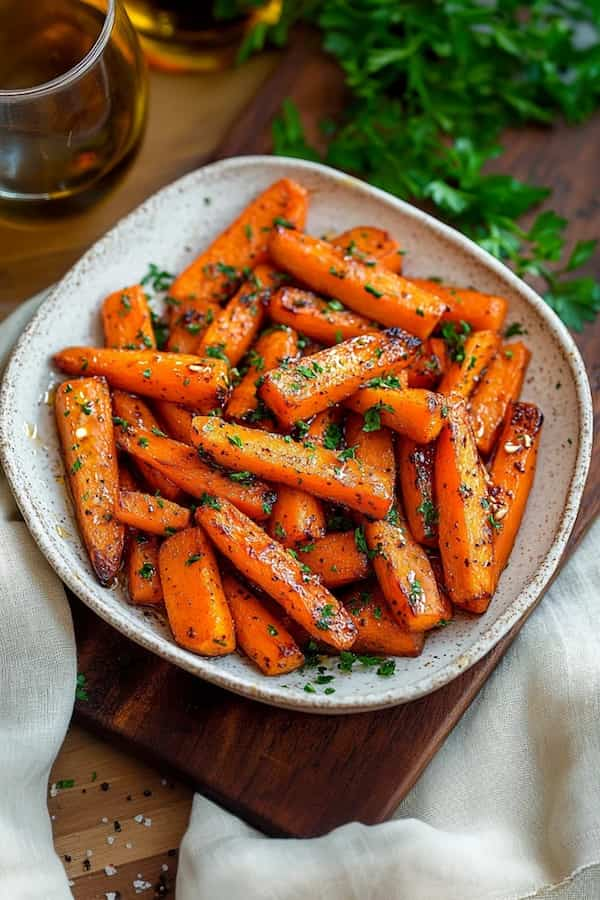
316	470
143	577
297	517
273	347
186	324
512	472
126	320
465	538
481	311
439	349
309	385
164	376
197	608
85	428
325	321
416	413
176	420
428	364
369	244
271	567
183	466
372	291
374	449
260	633
500	385
336	559
325	429
415	464
463	377
378	630
151	514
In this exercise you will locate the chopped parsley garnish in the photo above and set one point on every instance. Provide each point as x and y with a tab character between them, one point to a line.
371	290
384	381
428	511
360	540
348	453
76	465
216	351
147	373
285	223
272	630
235	440
455	339
147	571
143	442
515	328
333	436
209	500
193	559
372	417
80	687
325	614
157	278
496	525
279	531
242	477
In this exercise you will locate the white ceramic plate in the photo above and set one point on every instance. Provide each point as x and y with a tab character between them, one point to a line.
169	229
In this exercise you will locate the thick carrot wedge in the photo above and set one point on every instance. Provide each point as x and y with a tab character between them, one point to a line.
126	320
374	449
316	470
428	364
465	534
416	413
336	559
143	577
415	464
271	567
271	350
260	633
85	428
164	376
325	321
372	291
378	630
197	608
182	465
463	377
308	386
369	244
176	420
481	311
297	517
512	472
500	385
151	514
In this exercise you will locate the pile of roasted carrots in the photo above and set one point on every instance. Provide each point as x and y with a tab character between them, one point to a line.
316	421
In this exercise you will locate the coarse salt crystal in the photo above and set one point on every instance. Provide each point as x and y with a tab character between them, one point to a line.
129	845
53	790
147	822
164	868
110	839
110	870
141	885
139	818
89	853
104	820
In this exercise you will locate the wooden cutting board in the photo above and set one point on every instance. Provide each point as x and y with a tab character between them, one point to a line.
290	773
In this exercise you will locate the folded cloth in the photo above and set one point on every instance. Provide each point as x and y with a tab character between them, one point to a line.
509	808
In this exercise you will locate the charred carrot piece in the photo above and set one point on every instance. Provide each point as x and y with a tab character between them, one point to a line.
297	517
197	608
176	420
372	291
378	630
324	321
309	385
164	376
482	311
369	245
336	559
272	349
465	534
271	567
85	429
463	377
143	577
500	385
261	634
512	472
126	320
316	470
374	449
151	514
413	412
415	464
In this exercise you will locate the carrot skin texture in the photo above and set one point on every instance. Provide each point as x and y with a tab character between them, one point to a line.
462	378
176	420
500	385
85	428
378	630
317	471
165	376
143	578
272	349
336	559
465	538
370	244
260	633
416	463
187	324
151	514
267	564
126	320
374	449
196	605
481	311
314	317
372	291
297	517
413	412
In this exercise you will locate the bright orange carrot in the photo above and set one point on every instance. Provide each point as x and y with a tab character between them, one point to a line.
378	630
416	413
428	365
143	577
374	449
336	559
197	608
463	377
372	291
310	385
415	463
326	430
270	566
369	244
325	321
481	311
85	429
176	420
186	324
273	347
164	376
297	517
151	514
260	633
465	535
127	321
500	385
316	470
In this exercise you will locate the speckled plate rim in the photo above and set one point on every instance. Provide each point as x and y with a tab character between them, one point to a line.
524	602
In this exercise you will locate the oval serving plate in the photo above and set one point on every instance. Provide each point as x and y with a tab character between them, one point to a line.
169	229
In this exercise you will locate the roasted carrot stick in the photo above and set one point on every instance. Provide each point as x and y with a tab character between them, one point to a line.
325	321
297	517
481	311
260	633
374	449
464	376
316	470
415	464
465	534
336	559
372	291
273	347
197	608
428	364
310	385
369	244
270	566
150	513
85	428
326	430
416	413
182	465
500	385
143	577
127	321
165	376
187	324
378	630
512	472
176	420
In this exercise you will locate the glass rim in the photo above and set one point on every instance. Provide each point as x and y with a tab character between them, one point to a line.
84	64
